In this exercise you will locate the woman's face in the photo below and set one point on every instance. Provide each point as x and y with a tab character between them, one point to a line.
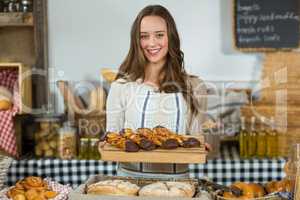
154	39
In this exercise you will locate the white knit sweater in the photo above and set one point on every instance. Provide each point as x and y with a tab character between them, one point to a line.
137	105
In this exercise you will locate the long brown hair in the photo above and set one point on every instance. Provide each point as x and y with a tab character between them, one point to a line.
175	77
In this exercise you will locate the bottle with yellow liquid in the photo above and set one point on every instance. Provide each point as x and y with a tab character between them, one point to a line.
243	140
94	154
272	141
261	141
251	139
84	149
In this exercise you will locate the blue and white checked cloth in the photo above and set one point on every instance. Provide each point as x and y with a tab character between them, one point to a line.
225	170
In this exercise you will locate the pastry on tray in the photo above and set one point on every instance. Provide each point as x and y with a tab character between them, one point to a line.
149	139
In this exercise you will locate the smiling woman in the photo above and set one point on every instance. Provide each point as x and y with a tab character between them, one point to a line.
153	89
154	39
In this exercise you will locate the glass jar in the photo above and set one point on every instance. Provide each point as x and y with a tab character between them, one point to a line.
84	148
94	153
46	136
67	141
26	6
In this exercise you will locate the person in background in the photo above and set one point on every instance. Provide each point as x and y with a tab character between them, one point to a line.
152	88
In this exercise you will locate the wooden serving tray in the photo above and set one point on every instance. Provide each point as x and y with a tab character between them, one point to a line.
178	155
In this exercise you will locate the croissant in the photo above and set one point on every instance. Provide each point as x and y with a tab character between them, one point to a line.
149	134
139	139
121	142
166	135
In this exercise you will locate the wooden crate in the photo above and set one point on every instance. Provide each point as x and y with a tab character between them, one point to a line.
281	73
281	114
90	125
287	129
288	137
24	81
280	95
178	155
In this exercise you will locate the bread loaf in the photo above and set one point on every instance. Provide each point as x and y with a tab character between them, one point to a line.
97	100
113	187
168	189
108	74
5	98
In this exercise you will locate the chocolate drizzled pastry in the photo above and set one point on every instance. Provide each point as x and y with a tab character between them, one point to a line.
170	144
191	142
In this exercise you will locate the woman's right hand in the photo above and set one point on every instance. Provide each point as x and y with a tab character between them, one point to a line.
208	147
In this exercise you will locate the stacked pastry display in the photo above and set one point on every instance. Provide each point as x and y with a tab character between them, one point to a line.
156	189
31	188
149	139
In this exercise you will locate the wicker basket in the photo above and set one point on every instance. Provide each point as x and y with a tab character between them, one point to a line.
5	162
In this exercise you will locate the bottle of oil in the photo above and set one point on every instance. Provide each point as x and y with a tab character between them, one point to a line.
243	140
84	149
272	141
261	140
251	140
94	154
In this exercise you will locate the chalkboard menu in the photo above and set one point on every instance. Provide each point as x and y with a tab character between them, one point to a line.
266	24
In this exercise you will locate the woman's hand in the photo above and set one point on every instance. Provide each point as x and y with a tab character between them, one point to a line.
207	147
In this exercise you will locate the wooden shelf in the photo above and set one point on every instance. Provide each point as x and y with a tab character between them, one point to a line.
16	19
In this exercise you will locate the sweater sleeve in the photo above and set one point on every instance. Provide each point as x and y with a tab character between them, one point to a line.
115	107
200	94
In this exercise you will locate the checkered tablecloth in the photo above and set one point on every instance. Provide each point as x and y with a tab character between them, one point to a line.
225	170
8	142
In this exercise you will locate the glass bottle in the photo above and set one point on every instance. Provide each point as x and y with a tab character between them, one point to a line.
243	140
84	149
93	150
26	6
272	141
261	140
252	139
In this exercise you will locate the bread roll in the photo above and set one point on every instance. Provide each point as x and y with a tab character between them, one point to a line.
113	187
5	98
250	190
168	189
109	74
97	100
